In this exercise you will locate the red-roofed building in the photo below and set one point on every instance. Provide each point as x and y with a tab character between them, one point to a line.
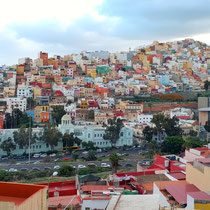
58	93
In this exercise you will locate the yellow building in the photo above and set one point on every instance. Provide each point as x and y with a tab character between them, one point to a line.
37	92
51	61
20	69
9	92
84	104
91	70
198	173
88	92
38	112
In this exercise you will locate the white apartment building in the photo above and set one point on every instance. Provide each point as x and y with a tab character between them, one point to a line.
144	118
19	103
24	91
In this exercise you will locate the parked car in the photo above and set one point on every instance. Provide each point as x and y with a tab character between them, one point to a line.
56	167
35	169
85	152
65	159
81	166
13	170
43	155
128	164
57	159
105	165
47	168
24	169
36	155
36	162
52	155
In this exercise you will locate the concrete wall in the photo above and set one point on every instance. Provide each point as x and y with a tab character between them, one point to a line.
189	156
202	102
203	117
163	199
198	178
94	204
7	205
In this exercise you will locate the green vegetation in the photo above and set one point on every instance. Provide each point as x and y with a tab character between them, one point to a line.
66	171
113	129
8	146
88	145
114	159
57	114
51	136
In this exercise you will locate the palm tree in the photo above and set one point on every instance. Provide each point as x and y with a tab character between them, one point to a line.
114	159
150	106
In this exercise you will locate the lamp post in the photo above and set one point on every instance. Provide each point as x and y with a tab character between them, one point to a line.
69	203
55	173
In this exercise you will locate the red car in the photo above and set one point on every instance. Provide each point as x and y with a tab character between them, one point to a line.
65	159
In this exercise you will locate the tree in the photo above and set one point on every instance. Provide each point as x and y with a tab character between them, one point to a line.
173	145
90	115
57	114
31	103
91	155
193	142
148	133
206	85
193	133
21	137
8	146
150	107
51	136
69	140
113	129
66	171
114	159
88	145
75	156
207	126
171	126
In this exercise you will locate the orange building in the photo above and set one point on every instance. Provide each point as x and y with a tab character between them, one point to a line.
44	57
16	196
20	69
45	117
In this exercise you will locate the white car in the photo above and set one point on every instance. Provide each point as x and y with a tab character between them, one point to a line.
105	165
81	166
43	155
85	152
12	170
36	155
36	162
57	167
52	155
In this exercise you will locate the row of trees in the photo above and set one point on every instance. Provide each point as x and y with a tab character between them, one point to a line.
173	141
50	136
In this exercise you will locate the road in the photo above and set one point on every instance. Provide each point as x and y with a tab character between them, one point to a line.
130	157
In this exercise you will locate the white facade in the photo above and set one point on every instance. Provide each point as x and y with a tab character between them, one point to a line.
24	91
18	103
144	118
70	72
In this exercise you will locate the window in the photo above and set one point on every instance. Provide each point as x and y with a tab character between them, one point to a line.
95	135
88	135
40	146
47	145
36	146
121	134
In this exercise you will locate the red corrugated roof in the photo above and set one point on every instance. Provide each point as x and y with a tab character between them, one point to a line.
64	200
178	175
199	195
95	187
179	192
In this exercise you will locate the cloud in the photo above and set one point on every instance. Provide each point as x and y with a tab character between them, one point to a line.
103	25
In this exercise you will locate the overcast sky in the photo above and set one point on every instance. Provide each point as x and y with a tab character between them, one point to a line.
69	26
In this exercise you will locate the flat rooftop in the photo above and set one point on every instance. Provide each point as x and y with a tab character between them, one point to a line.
144	179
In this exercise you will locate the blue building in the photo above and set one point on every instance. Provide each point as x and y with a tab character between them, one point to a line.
94	133
37	147
163	79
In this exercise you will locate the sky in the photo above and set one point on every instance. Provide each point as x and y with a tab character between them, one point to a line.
70	26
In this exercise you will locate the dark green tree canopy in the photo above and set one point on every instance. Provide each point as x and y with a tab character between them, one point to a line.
57	114
21	137
51	136
173	145
113	129
8	146
70	140
207	126
88	145
114	159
